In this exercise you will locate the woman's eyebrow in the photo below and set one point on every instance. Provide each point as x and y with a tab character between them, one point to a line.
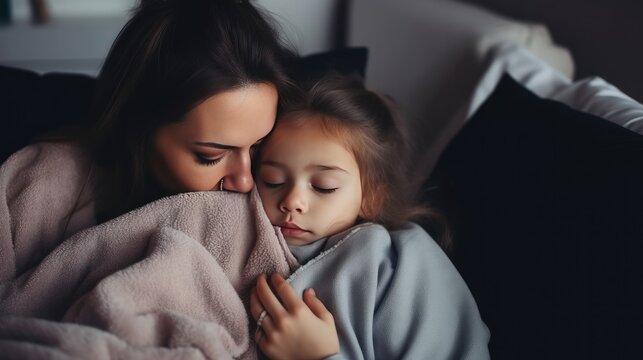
215	145
222	146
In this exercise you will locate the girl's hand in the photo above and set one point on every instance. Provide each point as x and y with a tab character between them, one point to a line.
291	328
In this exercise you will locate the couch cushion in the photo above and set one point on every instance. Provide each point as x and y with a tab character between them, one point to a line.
350	61
546	205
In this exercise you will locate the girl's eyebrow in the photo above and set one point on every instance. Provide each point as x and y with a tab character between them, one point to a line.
327	167
313	166
272	163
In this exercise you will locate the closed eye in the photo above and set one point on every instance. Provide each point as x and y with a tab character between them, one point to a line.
204	160
324	190
272	184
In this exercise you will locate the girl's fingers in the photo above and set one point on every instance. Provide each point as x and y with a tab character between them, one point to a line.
263	332
267	298
255	304
286	293
267	325
316	306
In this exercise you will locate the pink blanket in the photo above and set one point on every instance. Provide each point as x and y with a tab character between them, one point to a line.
168	280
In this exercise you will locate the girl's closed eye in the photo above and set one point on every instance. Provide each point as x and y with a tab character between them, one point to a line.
324	185
272	184
324	190
271	177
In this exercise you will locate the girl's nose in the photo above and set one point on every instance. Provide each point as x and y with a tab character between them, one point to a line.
294	201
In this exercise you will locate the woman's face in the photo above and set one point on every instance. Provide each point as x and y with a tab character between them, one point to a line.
214	141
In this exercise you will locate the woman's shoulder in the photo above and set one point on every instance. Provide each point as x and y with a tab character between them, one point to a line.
46	171
58	157
44	193
52	150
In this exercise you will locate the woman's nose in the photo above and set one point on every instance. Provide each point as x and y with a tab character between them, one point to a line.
294	201
239	177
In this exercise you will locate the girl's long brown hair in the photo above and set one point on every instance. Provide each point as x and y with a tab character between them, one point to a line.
368	125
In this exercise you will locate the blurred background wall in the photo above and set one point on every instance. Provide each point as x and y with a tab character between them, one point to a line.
78	33
604	36
71	8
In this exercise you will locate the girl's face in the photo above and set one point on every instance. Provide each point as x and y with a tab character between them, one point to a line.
214	141
309	183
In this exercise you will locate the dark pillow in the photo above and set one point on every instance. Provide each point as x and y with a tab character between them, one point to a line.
547	208
33	104
350	61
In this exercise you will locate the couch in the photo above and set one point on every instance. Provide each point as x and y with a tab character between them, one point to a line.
537	173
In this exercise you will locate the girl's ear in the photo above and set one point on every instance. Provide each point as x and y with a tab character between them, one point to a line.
366	210
372	204
364	207
360	215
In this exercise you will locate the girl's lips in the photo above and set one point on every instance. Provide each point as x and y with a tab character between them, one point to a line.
292	230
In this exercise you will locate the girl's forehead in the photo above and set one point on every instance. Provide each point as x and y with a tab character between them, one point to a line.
306	122
304	130
301	132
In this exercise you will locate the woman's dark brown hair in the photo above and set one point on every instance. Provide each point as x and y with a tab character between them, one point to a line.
172	55
368	125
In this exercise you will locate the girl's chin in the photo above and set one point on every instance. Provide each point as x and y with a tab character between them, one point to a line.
298	240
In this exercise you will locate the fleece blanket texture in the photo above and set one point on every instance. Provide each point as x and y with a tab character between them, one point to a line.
169	280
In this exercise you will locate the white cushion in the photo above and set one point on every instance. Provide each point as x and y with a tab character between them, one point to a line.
598	97
430	55
592	95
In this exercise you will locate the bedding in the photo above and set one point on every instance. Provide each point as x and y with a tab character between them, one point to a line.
168	280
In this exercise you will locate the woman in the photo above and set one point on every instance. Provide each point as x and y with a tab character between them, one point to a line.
187	90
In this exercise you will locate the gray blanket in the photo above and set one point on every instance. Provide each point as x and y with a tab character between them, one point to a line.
394	295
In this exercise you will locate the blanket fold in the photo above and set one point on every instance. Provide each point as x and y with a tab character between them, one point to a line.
167	280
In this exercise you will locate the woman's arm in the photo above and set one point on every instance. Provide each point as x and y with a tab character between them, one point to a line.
44	197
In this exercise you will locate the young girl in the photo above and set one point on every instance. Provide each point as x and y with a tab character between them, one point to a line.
332	177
